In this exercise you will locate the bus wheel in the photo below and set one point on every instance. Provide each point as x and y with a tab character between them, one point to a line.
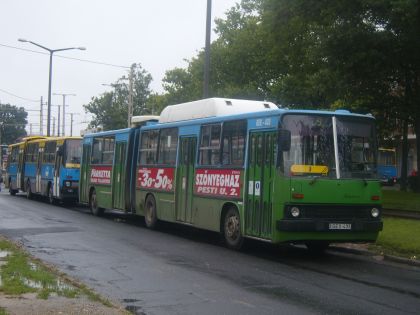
317	247
28	190
93	203
150	215
51	199
12	191
232	229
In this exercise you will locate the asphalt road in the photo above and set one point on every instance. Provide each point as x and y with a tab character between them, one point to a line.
181	270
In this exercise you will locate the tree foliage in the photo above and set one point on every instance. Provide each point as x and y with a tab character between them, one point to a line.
13	121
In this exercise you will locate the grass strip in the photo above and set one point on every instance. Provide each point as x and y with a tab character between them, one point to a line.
400	237
401	200
22	273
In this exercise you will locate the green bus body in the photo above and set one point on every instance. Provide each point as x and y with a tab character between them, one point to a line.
249	178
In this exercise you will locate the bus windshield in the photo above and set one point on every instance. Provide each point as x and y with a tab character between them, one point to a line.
312	151
73	151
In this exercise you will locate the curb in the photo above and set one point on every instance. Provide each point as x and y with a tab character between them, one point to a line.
401	260
404	214
367	253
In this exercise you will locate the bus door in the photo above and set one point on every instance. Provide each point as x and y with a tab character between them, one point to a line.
119	176
83	182
57	167
261	172
20	169
38	187
185	179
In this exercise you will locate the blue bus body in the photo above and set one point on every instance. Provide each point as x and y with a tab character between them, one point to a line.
47	167
387	166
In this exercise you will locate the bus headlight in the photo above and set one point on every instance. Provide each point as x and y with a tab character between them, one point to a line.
295	212
67	183
374	212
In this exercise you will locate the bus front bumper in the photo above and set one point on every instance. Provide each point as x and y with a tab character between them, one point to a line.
69	193
311	225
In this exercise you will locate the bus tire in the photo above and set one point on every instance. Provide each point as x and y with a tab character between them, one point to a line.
29	194
93	204
50	195
317	247
12	191
232	229
150	213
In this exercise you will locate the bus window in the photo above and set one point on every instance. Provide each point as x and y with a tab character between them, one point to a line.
73	152
210	145
148	148
96	151
168	142
49	152
102	152
32	153
108	151
234	137
15	155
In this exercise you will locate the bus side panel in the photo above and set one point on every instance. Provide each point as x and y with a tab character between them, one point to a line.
30	170
47	172
12	175
84	170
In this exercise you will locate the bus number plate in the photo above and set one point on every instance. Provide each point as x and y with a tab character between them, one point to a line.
339	226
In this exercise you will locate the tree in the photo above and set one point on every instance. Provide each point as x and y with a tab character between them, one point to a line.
13	121
110	109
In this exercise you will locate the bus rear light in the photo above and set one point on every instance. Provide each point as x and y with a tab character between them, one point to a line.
375	198
298	196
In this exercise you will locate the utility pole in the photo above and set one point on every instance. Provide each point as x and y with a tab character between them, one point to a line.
58	121
207	52
41	119
53	133
130	96
64	110
71	122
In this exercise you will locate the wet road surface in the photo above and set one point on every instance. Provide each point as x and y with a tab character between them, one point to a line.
181	270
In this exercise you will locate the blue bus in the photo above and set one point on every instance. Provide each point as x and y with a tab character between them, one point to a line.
387	166
48	167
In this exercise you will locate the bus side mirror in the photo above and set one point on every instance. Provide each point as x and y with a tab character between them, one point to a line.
284	140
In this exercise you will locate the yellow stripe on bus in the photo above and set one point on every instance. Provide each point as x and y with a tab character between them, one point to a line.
313	169
72	165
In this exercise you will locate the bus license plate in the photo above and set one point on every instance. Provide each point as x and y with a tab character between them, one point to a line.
339	226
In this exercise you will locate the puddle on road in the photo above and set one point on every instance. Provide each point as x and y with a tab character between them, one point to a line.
58	286
136	310
4	253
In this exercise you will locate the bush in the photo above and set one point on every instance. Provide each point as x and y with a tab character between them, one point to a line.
414	183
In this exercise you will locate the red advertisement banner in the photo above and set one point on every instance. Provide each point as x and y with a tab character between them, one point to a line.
211	182
101	175
156	178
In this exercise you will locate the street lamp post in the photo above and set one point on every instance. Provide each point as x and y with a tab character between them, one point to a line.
51	51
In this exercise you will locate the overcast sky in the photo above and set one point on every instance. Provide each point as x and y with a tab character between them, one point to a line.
159	34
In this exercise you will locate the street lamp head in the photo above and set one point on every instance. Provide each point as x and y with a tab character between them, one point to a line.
81	48
22	40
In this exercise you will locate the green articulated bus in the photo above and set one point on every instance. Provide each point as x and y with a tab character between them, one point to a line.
246	169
